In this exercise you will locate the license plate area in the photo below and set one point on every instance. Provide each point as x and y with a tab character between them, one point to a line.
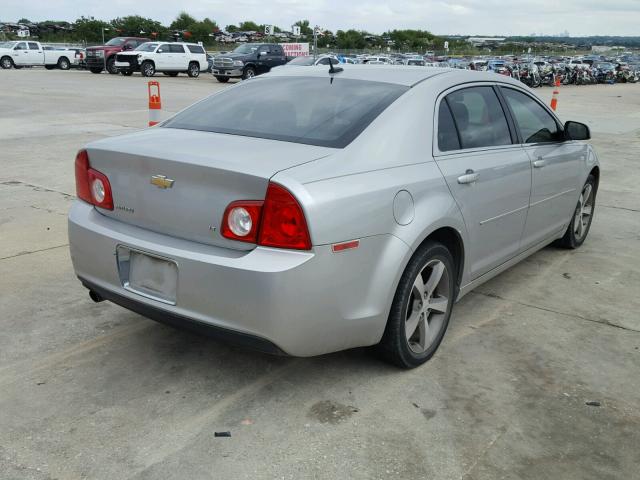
148	275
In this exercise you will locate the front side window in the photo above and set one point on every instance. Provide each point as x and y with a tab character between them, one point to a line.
535	123
164	48
21	46
147	47
328	112
479	117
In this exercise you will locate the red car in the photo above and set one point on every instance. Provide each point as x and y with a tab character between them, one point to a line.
104	56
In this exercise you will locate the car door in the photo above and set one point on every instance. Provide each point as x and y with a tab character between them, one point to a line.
488	174
556	166
263	59
35	54
179	60
163	57
20	54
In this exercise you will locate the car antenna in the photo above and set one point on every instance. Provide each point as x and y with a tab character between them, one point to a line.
332	69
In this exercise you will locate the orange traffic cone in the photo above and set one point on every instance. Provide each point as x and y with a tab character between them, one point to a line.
155	104
556	92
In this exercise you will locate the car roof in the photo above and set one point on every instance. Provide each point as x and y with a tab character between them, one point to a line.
400	75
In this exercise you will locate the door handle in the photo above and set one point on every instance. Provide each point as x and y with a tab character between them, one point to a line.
539	163
469	177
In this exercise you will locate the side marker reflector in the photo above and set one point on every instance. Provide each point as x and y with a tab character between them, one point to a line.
339	247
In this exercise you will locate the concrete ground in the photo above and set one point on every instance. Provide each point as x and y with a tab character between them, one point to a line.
94	391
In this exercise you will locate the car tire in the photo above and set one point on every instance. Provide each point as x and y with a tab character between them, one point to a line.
222	79
126	73
248	73
421	307
111	66
147	68
582	217
64	64
6	63
95	70
194	70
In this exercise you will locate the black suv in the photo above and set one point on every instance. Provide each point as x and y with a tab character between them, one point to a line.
247	61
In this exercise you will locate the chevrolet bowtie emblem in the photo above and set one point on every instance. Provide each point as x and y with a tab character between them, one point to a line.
161	181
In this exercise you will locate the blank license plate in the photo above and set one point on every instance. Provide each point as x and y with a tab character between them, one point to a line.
148	275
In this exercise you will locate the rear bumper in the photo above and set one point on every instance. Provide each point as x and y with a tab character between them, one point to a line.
299	303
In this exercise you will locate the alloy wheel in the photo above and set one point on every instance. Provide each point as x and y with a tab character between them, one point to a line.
427	306
584	212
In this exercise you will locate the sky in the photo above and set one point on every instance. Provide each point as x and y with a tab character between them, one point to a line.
466	17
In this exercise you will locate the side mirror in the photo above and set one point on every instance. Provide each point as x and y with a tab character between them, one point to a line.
576	131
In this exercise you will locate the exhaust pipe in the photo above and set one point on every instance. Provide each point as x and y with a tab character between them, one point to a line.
95	296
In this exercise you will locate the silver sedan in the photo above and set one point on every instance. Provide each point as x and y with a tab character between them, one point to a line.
308	211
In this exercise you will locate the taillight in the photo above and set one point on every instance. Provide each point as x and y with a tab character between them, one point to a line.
241	220
283	224
277	222
92	186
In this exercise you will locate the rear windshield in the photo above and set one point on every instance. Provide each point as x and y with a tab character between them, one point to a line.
315	111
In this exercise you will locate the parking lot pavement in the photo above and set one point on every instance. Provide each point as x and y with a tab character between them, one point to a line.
94	391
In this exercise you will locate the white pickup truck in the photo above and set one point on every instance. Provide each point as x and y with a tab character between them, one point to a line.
27	53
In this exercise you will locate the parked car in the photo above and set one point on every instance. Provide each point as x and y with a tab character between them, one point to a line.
104	57
22	54
248	60
283	214
309	60
169	58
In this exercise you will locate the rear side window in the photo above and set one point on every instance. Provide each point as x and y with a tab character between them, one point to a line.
195	48
176	48
447	134
328	112
33	46
535	123
479	117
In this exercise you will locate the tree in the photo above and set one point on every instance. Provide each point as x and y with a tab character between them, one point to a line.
305	29
133	25
350	39
89	29
24	20
231	28
249	26
182	22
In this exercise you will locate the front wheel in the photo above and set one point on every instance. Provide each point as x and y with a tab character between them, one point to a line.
111	66
421	307
148	69
6	63
248	73
194	70
580	223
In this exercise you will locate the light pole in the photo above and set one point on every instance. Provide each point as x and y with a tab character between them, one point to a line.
104	57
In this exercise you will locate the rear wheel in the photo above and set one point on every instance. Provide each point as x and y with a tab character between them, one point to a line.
580	224
222	79
64	64
6	63
148	69
421	307
194	70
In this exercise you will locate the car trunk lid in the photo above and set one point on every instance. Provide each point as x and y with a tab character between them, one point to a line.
179	182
